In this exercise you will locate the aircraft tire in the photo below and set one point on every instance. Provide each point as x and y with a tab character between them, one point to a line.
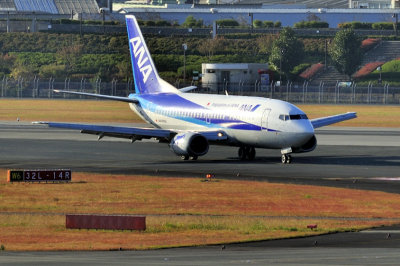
251	153
286	159
242	153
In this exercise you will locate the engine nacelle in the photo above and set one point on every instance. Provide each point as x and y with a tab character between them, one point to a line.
189	144
310	145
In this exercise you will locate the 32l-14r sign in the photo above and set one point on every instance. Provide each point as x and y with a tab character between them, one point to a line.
46	175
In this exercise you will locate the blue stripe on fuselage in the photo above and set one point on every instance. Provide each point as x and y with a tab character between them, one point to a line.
161	101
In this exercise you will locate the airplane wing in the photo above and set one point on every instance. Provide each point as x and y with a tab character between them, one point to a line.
324	121
132	133
107	97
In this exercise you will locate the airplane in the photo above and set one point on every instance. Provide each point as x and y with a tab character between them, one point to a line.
190	122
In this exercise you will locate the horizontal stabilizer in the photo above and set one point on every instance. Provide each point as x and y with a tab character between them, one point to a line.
186	89
101	96
325	121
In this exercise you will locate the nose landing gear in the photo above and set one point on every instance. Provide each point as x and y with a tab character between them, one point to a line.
286	159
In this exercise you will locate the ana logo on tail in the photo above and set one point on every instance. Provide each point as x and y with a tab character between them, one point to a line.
139	51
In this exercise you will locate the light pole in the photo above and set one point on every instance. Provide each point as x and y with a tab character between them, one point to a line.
396	17
280	67
251	21
184	46
326	50
380	74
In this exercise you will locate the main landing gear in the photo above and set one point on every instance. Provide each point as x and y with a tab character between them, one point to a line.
247	153
186	157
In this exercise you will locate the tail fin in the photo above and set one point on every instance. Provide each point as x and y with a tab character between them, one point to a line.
144	71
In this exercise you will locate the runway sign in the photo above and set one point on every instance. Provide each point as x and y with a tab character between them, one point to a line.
107	222
42	175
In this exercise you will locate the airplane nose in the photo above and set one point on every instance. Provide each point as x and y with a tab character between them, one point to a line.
303	132
305	127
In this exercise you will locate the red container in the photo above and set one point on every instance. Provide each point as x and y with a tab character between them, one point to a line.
108	222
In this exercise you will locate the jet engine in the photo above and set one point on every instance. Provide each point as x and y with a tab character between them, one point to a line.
189	144
310	145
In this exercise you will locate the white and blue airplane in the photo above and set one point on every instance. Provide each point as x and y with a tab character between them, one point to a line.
190	122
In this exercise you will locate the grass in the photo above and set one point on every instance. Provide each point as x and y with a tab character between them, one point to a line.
117	112
66	110
181	211
367	115
47	232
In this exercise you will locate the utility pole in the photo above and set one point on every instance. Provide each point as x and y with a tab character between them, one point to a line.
251	21
184	46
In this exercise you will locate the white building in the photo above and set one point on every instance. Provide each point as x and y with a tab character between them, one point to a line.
377	4
220	77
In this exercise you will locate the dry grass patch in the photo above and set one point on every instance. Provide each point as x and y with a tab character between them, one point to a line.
368	115
66	110
47	232
192	212
114	194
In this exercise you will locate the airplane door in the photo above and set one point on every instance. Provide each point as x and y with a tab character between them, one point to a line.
264	119
208	117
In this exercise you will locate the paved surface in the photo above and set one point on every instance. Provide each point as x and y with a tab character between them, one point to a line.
355	158
344	158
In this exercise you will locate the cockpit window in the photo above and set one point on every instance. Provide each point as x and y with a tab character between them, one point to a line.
293	117
284	117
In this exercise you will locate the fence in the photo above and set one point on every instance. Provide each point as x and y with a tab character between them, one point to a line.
43	88
322	93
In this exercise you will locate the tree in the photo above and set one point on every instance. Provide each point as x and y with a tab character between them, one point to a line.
257	23
287	51
53	70
6	63
345	51
191	22
69	56
124	70
211	46
264	43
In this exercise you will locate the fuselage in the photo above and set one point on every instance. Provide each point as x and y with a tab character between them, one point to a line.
248	121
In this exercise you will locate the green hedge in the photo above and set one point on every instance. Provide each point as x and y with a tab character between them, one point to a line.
311	24
227	23
383	26
266	24
257	23
355	25
85	22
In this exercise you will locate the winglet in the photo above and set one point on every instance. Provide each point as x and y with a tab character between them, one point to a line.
324	121
186	89
40	123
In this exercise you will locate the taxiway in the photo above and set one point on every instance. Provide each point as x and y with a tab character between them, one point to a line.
346	157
